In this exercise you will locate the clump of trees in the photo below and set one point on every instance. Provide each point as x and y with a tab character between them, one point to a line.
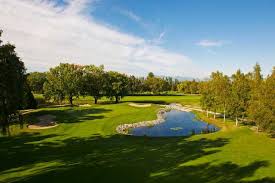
189	87
69	81
246	97
116	85
15	92
36	81
63	82
93	82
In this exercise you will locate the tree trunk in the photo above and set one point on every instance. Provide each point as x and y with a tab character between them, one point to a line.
5	124
71	100
116	99
21	120
95	100
215	114
5	115
224	115
237	122
207	113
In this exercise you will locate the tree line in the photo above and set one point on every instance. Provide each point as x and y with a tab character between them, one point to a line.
244	97
98	80
68	81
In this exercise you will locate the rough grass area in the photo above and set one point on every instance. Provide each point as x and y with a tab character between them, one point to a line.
86	148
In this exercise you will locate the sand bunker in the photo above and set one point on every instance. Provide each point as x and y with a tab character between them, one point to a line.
45	122
139	105
84	105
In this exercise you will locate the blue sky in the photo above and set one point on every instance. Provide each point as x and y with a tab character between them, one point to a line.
246	27
179	37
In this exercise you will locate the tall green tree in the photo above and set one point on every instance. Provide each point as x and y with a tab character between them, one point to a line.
261	109
189	87
36	81
135	85
239	97
220	86
207	97
29	101
12	79
155	84
255	104
116	85
63	81
93	81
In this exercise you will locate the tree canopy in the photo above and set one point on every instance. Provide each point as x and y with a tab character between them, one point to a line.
93	81
116	85
63	82
247	97
36	81
12	80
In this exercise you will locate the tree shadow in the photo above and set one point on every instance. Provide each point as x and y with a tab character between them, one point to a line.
69	115
117	158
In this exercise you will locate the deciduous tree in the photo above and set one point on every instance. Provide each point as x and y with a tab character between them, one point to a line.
36	81
63	81
239	96
116	85
93	81
12	79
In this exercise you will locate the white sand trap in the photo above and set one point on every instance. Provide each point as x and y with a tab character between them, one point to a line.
85	105
45	122
140	105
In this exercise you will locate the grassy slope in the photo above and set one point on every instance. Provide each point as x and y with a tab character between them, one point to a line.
86	148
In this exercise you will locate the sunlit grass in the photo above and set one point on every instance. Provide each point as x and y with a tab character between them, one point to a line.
86	148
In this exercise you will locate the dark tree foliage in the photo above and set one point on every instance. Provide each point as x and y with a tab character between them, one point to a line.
116	85
29	101
93	81
36	81
135	85
12	79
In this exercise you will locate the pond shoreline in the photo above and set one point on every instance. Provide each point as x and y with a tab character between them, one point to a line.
124	128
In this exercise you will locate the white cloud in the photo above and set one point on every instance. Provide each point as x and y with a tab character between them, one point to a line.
46	34
210	43
129	14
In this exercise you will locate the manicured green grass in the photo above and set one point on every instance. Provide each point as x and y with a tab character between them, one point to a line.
86	148
186	100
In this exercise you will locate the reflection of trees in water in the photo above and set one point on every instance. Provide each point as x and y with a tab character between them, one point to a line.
208	129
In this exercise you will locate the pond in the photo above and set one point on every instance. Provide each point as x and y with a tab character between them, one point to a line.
177	123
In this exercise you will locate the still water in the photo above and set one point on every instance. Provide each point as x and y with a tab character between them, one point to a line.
177	123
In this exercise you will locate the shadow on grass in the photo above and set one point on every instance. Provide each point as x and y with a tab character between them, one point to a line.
69	114
116	159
